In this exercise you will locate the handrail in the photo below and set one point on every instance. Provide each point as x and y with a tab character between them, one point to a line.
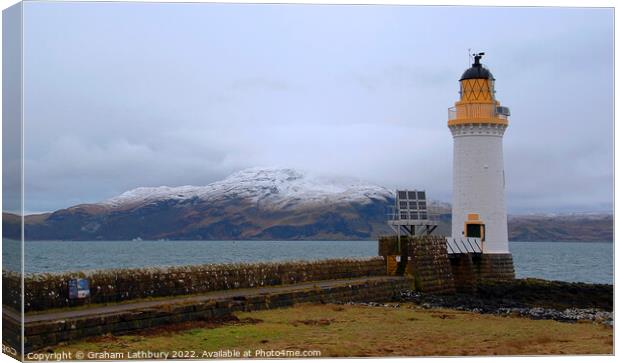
392	215
478	111
472	247
457	245
477	245
463	245
450	249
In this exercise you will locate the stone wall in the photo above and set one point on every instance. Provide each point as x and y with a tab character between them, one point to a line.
46	291
11	334
11	289
465	278
494	267
430	267
469	270
388	245
425	258
48	333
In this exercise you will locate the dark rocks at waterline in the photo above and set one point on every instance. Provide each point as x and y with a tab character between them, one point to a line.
568	315
524	293
572	315
558	295
531	298
464	302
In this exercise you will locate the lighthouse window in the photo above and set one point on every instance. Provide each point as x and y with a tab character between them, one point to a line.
423	215
403	215
422	205
402	195
412	195
403	205
414	215
413	205
421	195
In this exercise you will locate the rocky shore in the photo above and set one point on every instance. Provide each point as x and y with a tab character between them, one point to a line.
530	298
474	304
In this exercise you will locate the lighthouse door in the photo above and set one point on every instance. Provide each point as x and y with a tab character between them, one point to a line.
474	230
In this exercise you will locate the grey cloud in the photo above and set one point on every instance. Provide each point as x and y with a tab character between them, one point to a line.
108	111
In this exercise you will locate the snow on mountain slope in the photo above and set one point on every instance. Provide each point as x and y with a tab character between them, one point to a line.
271	187
269	204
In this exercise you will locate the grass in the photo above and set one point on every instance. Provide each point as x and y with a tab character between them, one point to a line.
357	331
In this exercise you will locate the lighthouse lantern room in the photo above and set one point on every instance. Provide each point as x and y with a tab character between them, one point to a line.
478	122
478	250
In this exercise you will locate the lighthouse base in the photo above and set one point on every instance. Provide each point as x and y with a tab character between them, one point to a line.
493	266
426	259
470	269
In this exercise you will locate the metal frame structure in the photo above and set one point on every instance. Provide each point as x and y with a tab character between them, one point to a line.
410	215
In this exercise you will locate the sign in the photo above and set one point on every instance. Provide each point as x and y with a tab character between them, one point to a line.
78	289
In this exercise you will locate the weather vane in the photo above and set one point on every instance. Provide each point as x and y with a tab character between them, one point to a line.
477	57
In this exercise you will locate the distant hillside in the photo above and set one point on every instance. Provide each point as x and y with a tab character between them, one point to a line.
268	204
558	228
253	204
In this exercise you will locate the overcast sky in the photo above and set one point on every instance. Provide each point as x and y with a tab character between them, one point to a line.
121	95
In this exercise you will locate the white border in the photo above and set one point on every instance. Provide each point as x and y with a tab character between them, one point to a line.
506	3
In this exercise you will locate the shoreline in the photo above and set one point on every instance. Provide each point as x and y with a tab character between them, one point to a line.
595	257
533	299
543	317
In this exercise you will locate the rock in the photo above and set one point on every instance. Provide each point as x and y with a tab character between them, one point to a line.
505	307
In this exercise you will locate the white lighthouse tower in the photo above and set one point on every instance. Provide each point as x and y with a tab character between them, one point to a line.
478	122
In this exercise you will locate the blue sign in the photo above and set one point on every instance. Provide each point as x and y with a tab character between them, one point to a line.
78	289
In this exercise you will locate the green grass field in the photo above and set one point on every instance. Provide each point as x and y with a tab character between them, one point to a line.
358	331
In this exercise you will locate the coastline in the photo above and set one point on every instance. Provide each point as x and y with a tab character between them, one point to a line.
522	321
552	260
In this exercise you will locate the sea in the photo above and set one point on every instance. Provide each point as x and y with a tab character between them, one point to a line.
590	262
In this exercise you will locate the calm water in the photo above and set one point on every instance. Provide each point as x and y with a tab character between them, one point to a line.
567	261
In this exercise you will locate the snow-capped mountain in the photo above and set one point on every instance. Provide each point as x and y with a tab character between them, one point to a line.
268	204
272	188
257	203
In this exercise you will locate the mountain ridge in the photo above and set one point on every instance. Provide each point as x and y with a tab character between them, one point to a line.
268	203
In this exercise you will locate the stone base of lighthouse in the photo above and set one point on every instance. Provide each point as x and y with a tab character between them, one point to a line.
469	270
494	266
425	258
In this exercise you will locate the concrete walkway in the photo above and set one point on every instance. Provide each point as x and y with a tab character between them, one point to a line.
138	305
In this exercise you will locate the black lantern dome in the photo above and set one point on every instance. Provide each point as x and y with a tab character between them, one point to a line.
477	71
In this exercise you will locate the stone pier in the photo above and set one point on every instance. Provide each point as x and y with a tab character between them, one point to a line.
434	270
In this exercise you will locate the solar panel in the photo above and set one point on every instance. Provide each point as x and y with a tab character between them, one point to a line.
411	205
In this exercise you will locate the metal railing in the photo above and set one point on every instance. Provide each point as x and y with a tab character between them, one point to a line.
394	214
463	245
478	111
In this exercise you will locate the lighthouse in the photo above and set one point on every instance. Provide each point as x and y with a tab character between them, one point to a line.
478	250
477	123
